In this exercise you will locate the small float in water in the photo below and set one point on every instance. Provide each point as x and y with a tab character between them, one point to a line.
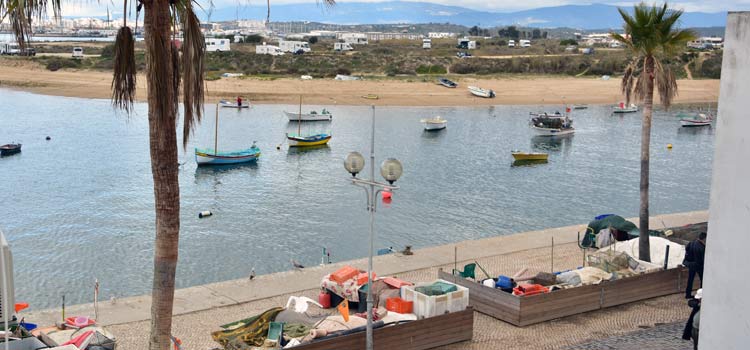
434	123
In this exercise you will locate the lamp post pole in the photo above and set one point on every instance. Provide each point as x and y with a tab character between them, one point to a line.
391	171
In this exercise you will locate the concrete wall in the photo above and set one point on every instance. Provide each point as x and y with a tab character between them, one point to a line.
725	314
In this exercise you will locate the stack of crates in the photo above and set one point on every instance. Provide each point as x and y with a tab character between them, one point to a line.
433	305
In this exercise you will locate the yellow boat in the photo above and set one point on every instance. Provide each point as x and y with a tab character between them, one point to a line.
529	156
371	97
307	141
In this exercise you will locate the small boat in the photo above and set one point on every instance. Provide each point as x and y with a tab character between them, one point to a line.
11	148
477	91
214	157
371	97
551	124
324	115
622	108
580	106
228	104
434	124
447	83
298	140
518	155
699	119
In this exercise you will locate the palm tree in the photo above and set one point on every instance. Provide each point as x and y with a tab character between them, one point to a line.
651	36
168	70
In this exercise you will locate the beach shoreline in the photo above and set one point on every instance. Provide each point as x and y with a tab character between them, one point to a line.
416	91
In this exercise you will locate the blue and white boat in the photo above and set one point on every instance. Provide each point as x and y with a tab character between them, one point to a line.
214	157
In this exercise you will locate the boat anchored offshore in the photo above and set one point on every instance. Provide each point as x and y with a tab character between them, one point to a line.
622	108
447	83
313	116
9	149
229	104
518	155
698	119
551	124
299	140
434	123
214	157
477	91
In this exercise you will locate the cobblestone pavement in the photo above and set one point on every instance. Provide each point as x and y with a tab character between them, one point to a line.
660	337
489	333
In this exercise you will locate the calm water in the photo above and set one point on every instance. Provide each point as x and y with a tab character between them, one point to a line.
80	206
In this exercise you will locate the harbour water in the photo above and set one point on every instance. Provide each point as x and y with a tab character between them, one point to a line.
80	206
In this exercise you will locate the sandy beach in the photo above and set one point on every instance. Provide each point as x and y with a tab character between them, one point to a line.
515	90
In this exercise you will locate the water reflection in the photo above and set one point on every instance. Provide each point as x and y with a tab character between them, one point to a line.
528	162
552	143
216	171
698	130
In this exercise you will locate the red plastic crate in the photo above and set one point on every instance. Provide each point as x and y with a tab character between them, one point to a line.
362	278
343	274
399	305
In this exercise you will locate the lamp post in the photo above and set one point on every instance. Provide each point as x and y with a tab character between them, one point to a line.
391	170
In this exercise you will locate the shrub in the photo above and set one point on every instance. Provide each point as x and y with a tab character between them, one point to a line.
431	69
343	71
312	39
57	63
108	51
567	42
254	39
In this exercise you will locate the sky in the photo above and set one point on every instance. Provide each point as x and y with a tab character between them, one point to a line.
90	8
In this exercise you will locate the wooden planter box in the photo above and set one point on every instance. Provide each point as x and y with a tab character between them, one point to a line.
422	334
523	311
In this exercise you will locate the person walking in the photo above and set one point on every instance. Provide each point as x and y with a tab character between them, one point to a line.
694	254
693	323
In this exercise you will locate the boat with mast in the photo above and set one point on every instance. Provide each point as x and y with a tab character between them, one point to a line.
696	119
214	157
299	140
622	108
556	124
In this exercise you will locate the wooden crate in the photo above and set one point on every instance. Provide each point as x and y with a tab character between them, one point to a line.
523	311
422	334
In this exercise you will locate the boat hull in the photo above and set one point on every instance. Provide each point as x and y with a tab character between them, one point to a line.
530	156
10	149
207	157
481	92
227	104
294	117
552	131
447	83
295	141
694	123
435	126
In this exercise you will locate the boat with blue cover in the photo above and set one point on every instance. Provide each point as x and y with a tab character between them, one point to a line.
214	157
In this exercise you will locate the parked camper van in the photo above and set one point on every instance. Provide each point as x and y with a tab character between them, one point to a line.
466	44
78	52
268	50
294	46
9	49
524	43
426	43
342	47
217	45
511	43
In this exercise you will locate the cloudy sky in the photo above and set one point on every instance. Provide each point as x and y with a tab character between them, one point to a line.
90	8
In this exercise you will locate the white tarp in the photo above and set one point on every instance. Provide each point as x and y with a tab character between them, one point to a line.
658	250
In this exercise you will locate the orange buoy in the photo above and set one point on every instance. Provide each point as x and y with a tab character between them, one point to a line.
386	195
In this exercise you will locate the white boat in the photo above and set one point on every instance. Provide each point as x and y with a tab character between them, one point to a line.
228	104
699	119
622	108
551	124
208	156
324	115
477	91
434	124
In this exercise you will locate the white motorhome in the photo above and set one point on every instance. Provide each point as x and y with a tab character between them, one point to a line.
354	38
294	46
524	43
78	52
511	43
342	47
268	50
426	43
9	49
217	45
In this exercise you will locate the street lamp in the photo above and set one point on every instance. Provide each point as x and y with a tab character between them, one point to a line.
391	170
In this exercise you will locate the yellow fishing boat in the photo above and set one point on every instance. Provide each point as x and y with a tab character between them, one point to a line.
529	155
299	140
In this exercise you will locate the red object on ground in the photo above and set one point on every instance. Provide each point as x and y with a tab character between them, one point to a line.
343	274
524	290
395	282
399	305
71	321
324	299
362	278
78	341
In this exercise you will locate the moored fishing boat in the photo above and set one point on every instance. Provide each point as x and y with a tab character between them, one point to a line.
434	124
698	119
299	140
518	155
229	104
622	108
214	157
324	115
477	91
551	124
580	106
9	149
447	83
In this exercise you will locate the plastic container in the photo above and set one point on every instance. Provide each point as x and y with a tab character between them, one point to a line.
399	305
362	278
504	282
429	306
324	299
525	290
395	282
343	274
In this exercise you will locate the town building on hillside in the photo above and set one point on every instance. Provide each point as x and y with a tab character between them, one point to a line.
435	35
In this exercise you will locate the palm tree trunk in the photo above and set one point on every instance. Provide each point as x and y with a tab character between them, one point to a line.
164	167
644	248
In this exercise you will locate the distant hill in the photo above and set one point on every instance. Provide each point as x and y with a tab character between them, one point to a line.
594	16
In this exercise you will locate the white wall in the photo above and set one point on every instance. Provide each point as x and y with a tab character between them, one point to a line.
725	314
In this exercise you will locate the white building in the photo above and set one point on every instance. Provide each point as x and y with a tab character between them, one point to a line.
377	36
707	42
436	35
353	38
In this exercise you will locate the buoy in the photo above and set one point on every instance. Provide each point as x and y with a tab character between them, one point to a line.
387	195
278	147
204	214
48	138
669	146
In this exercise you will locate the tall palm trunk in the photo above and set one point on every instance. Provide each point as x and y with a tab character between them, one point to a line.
643	244
164	167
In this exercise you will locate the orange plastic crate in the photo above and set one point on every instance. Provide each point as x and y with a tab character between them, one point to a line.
362	278
399	305
343	274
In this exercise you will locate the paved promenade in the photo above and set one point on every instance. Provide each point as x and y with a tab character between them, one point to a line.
199	310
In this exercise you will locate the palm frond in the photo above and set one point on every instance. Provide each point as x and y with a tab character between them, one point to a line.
124	77
21	13
628	80
176	76
193	53
666	83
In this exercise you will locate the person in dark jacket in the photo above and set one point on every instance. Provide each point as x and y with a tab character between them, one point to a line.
693	323
694	253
